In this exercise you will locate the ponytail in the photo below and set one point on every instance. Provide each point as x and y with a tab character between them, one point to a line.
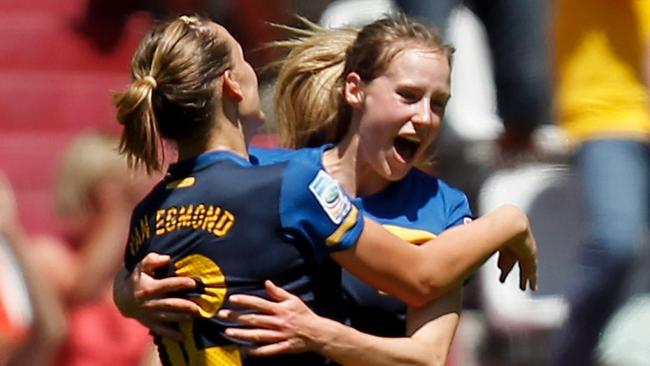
140	140
175	71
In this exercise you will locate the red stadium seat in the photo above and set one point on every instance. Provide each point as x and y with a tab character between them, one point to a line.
62	101
40	41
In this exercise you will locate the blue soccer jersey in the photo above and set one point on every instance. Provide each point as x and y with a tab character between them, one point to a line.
231	226
416	209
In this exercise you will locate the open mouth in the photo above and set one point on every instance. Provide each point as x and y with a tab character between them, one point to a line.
406	147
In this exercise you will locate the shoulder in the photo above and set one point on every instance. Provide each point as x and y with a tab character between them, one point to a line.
436	190
265	156
422	181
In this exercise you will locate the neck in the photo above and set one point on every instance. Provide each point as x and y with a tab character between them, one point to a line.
225	136
347	164
340	162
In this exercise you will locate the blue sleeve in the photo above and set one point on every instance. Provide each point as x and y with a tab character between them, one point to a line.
460	212
314	207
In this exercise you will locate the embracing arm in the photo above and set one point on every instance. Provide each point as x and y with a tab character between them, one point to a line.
137	294
431	330
419	274
293	327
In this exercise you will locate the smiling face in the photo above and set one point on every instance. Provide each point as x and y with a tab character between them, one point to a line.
398	113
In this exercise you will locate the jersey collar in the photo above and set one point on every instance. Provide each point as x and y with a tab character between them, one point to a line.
204	160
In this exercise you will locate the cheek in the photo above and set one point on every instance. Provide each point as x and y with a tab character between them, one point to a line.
379	130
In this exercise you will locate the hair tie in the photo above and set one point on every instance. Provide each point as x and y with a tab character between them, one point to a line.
188	20
151	81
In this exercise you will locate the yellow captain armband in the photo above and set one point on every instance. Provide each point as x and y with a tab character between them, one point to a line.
347	224
413	236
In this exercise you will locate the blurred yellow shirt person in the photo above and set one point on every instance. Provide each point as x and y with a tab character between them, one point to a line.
599	61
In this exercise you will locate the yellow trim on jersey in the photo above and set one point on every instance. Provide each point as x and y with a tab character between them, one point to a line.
413	236
346	225
221	356
213	279
181	183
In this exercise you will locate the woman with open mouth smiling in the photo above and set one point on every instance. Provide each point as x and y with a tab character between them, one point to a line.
365	106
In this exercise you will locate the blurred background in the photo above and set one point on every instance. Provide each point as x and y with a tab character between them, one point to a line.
549	111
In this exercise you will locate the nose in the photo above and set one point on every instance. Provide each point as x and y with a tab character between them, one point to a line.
423	116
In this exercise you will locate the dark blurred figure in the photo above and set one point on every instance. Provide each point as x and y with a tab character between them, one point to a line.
518	40
105	21
602	101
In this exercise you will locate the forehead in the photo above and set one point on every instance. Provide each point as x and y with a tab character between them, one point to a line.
418	64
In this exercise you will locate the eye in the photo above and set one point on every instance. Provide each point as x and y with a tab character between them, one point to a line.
408	95
439	104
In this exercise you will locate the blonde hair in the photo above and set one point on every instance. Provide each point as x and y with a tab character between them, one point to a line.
309	101
308	87
174	71
90	157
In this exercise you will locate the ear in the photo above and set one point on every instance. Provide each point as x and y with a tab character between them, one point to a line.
231	87
354	94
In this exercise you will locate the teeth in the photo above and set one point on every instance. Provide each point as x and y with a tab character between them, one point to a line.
411	138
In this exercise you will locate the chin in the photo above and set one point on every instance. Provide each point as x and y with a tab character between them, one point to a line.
398	174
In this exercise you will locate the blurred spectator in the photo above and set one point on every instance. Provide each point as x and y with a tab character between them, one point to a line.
95	194
33	339
602	101
517	35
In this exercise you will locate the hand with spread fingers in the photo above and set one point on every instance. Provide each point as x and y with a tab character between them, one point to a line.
141	296
283	324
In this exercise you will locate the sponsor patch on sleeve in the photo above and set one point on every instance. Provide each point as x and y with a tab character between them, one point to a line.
330	196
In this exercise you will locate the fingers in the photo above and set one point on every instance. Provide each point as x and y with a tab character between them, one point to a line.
151	288
252	320
533	281
272	349
505	263
527	269
277	293
256	335
153	261
253	302
528	274
172	284
171	305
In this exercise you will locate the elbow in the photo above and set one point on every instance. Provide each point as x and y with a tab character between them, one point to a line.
434	284
430	289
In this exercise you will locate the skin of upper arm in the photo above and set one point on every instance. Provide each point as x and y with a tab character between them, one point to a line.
433	327
431	330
